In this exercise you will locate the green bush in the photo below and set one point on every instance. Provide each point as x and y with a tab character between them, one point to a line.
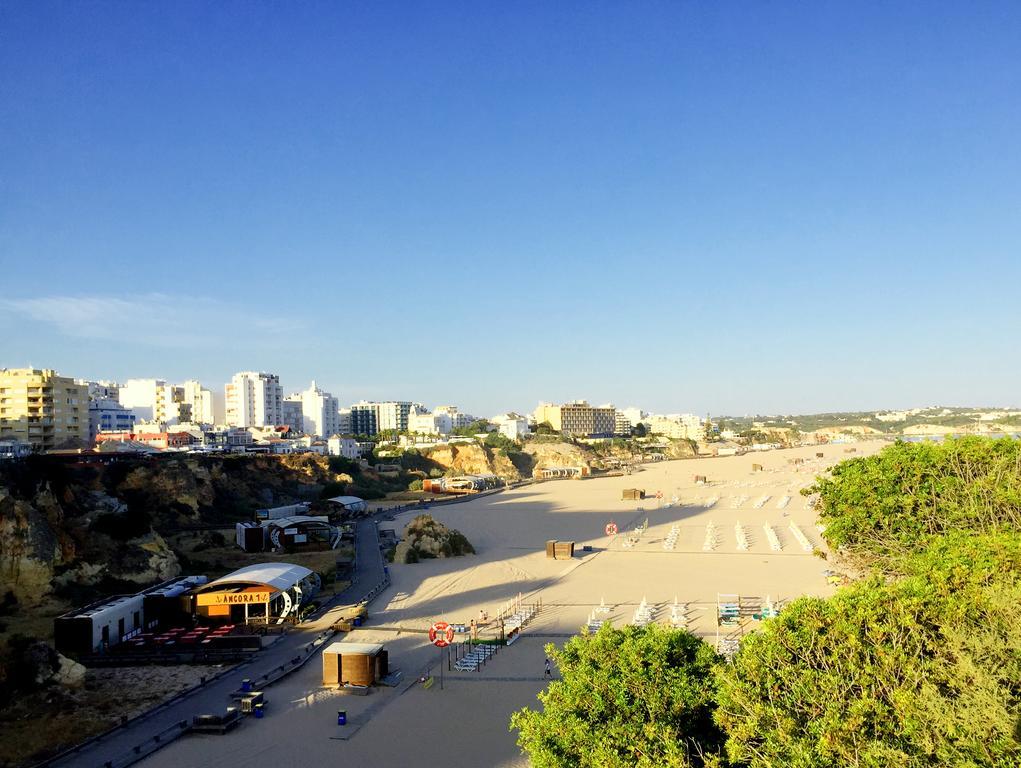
634	696
415	485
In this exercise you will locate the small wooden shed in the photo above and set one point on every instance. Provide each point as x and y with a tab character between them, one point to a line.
354	663
559	550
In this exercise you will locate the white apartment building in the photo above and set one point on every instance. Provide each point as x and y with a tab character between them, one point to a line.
421	421
393	414
155	401
512	425
320	411
621	424
201	401
107	415
254	400
343	446
634	415
457	419
684	426
108	390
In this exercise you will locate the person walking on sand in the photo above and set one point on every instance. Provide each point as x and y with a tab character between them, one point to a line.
549	670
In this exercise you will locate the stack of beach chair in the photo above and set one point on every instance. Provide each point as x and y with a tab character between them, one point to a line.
644	613
678	614
761	502
475	658
738	501
519	618
742	537
772	538
801	537
728	611
782	504
593	624
711	502
711	538
671	538
728	646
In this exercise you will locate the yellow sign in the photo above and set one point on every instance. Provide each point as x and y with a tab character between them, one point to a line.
232	598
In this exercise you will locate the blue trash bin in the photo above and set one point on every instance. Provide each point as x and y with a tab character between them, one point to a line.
358	621
258	712
246	685
341	717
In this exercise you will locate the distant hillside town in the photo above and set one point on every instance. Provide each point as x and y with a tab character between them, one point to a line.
43	411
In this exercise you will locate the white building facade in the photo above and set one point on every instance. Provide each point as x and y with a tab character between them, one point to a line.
421	421
683	426
155	401
344	446
393	415
254	400
512	425
320	412
107	415
201	401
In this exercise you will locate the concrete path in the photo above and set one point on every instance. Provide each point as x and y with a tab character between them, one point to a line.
117	749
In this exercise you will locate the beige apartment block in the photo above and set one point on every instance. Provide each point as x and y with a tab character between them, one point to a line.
577	418
42	409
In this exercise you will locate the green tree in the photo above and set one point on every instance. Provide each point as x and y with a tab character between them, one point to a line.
880	675
634	696
500	440
477	427
879	508
639	430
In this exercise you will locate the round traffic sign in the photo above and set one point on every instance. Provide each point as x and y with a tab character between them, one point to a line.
611	529
659	494
441	634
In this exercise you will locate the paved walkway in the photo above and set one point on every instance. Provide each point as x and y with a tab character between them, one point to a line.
117	747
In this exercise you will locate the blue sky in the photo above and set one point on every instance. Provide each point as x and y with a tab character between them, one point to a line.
708	207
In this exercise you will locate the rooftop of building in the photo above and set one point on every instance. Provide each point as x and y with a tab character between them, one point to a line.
279	576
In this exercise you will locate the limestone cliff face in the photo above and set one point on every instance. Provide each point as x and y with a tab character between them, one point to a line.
30	545
67	528
560	455
473	459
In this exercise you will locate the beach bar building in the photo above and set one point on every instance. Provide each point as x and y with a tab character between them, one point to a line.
265	592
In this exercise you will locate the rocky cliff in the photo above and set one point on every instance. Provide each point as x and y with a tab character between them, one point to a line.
473	459
78	530
426	537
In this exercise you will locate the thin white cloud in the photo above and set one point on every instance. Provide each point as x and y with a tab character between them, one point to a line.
157	319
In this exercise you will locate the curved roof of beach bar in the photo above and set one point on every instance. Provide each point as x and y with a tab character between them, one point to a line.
350	503
268	592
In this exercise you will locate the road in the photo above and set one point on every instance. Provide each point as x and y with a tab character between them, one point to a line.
215	695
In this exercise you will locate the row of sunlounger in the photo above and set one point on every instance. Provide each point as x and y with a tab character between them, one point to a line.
475	658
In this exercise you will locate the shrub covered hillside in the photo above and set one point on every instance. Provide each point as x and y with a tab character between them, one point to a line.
916	664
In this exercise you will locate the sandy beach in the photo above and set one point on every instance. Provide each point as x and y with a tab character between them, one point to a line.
466	723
